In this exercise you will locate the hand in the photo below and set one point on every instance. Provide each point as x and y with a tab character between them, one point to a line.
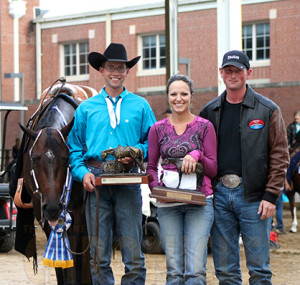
287	186
267	209
89	182
125	160
188	165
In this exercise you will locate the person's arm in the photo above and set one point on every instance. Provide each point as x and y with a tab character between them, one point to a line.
148	119
208	155
76	143
278	157
153	156
278	163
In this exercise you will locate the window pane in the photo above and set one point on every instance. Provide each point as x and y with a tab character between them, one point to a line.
73	54
162	51
247	40
149	52
262	41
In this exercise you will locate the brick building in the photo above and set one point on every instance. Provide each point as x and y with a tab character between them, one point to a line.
54	45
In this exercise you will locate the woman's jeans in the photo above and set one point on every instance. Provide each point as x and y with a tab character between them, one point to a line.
121	205
185	231
234	216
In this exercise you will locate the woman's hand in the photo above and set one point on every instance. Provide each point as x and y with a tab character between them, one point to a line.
188	165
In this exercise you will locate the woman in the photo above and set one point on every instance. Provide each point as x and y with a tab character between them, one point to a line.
185	228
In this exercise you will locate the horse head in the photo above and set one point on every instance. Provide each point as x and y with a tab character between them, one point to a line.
46	170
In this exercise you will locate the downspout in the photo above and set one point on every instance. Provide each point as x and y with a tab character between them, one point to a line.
108	29
38	56
17	9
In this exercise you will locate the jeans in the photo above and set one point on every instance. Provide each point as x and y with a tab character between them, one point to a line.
234	216
185	231
121	205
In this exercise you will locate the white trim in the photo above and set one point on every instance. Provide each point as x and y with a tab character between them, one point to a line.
152	89
151	72
258	81
84	77
129	12
260	63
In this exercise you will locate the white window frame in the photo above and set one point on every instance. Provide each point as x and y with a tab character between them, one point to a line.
77	77
154	71
255	62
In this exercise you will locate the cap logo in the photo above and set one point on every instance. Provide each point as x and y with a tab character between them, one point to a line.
233	57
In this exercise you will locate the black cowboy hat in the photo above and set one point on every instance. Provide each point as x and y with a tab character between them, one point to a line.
114	52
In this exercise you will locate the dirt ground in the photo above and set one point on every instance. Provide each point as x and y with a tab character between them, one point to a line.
285	264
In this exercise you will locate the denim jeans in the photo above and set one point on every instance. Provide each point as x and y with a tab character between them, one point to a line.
185	231
122	205
234	216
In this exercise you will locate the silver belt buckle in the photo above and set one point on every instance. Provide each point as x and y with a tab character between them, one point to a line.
231	180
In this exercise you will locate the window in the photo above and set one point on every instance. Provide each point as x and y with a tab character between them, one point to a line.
75	61
153	50
256	42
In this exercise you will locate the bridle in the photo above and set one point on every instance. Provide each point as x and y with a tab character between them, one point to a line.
64	196
32	172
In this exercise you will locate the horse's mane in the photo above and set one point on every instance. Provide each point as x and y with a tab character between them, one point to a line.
49	114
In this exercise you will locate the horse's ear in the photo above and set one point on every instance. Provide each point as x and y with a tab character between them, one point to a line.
30	133
65	130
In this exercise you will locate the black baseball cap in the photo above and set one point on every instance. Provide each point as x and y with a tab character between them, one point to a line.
236	58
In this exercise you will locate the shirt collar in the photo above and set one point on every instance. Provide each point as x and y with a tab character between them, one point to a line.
123	94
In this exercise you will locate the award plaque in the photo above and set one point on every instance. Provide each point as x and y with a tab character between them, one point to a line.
122	178
178	195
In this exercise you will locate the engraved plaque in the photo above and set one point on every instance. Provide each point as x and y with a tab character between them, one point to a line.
120	179
178	195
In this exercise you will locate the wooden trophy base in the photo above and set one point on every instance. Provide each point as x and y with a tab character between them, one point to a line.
122	178
178	195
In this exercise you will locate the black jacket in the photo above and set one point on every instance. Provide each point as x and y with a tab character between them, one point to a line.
263	144
293	138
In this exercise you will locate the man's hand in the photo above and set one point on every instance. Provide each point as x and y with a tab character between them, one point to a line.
89	182
126	160
267	209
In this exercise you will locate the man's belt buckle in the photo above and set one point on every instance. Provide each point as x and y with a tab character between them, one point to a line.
231	180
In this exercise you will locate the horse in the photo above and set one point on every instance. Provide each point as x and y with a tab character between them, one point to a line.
295	188
45	165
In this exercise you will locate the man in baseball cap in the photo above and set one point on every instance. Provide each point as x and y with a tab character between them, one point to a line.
236	58
252	162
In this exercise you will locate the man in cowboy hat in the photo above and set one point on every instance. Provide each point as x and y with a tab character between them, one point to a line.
112	118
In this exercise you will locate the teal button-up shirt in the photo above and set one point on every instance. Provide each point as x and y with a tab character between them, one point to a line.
92	133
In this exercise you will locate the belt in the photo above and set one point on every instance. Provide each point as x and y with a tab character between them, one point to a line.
94	163
230	180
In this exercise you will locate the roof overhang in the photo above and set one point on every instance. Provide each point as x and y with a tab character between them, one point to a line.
12	106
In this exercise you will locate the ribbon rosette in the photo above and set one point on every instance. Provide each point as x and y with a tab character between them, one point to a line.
56	253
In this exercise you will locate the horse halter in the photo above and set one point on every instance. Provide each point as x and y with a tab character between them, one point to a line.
32	172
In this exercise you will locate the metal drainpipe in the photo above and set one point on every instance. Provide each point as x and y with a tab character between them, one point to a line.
17	9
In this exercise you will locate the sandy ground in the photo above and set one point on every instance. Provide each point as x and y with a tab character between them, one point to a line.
285	264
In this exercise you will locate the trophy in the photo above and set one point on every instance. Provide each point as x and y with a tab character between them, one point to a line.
167	194
117	173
